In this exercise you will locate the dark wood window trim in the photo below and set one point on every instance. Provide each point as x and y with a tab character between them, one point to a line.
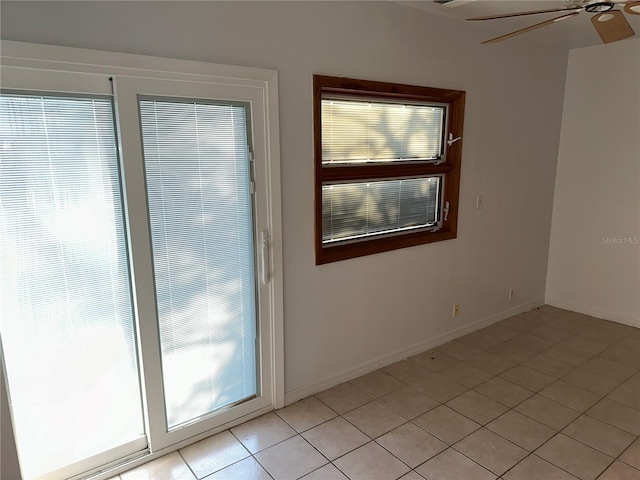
450	169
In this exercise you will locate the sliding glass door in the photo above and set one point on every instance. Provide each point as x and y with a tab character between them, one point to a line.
132	318
203	312
196	158
66	314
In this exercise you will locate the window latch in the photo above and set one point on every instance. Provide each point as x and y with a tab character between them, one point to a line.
446	211
452	140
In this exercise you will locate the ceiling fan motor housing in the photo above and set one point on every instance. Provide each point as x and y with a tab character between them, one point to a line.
599	7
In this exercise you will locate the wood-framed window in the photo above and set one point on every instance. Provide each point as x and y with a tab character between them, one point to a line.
387	166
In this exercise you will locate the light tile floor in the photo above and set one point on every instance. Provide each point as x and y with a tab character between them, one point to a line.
547	394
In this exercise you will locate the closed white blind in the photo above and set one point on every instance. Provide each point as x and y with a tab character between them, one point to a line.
198	179
358	210
355	131
65	300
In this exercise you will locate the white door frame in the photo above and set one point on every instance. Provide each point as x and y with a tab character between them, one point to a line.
127	90
77	66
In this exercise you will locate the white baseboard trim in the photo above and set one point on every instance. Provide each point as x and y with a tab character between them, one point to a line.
367	367
594	312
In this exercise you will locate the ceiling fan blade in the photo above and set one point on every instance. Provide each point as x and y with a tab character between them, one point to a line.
532	27
632	8
520	14
612	26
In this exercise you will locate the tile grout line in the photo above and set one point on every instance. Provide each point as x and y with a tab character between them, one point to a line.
556	379
187	464
251	455
557	432
550	322
374	439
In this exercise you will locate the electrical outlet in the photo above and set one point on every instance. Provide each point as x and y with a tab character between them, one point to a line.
456	310
511	292
479	202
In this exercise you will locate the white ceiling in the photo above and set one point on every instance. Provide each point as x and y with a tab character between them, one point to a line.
573	33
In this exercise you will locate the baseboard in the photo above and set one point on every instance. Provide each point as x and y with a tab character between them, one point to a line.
375	364
594	312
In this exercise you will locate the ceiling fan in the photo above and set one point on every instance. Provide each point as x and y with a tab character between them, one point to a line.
610	24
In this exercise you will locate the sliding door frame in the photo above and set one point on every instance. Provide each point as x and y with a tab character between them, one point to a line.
127	93
70	70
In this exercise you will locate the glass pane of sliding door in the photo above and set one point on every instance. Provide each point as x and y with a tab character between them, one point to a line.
198	178
66	318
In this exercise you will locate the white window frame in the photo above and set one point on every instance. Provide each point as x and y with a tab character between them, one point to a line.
29	67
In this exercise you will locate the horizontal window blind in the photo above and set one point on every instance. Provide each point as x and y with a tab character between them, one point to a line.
65	300
356	131
365	209
198	181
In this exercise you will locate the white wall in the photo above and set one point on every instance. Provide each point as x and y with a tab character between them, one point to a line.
342	315
594	259
345	316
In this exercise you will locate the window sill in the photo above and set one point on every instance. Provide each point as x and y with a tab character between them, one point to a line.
345	251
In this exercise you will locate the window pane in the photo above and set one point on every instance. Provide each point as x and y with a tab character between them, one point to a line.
65	305
360	131
357	210
198	179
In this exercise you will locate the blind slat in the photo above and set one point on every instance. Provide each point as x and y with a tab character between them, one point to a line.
365	209
355	131
65	305
197	169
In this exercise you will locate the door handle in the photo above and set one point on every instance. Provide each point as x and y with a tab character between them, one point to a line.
265	267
